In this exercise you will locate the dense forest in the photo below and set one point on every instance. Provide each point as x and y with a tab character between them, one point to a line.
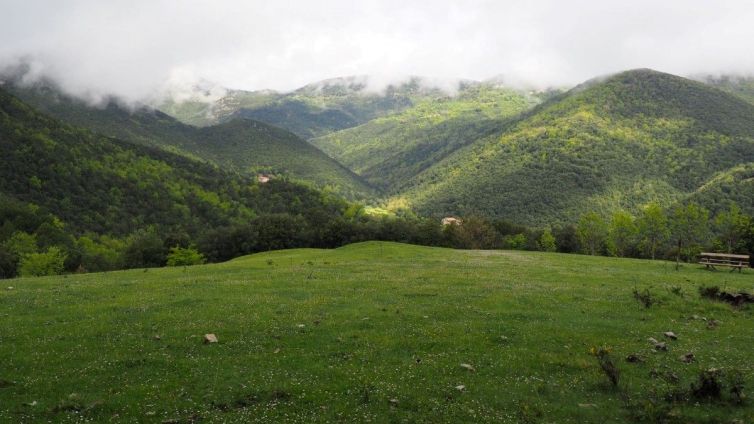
610	144
310	111
388	151
244	146
613	167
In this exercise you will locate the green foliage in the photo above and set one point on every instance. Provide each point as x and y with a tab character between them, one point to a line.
621	233
180	256
613	144
547	242
689	228
389	151
143	250
592	231
310	111
652	229
21	243
50	262
243	146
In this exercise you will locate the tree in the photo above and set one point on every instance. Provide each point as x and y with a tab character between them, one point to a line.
50	262
21	244
621	233
180	256
652	229
592	231
144	249
8	263
689	228
546	242
728	225
473	233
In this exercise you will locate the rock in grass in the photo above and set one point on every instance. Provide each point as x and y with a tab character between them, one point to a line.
688	358
460	387
652	340
587	405
393	402
661	346
10	288
634	359
468	367
210	338
671	335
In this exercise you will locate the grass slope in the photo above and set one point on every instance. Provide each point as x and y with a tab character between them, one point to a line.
610	144
241	145
390	150
321	336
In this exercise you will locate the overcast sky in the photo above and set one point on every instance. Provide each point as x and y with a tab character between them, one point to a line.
135	48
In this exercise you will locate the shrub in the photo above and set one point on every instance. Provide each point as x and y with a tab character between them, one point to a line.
180	256
50	262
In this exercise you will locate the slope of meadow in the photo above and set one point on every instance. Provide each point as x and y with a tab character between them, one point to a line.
374	332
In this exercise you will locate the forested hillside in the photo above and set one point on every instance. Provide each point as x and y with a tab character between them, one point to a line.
243	146
59	183
741	86
390	150
614	143
313	110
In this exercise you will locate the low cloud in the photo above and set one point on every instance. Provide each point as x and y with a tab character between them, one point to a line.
139	49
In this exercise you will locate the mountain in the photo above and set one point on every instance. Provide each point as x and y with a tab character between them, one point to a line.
390	150
107	186
313	110
611	143
741	86
241	145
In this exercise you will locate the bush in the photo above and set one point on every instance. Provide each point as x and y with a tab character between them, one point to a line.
50	262
180	256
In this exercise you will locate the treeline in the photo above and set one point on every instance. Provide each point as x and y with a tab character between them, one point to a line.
34	242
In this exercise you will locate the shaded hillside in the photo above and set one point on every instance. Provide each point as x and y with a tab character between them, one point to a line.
313	110
740	86
244	146
104	185
609	144
388	151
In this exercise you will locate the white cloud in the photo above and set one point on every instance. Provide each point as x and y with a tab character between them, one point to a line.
133	49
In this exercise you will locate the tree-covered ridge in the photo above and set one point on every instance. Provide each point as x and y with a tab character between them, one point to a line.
390	150
313	110
741	86
609	144
106	186
244	146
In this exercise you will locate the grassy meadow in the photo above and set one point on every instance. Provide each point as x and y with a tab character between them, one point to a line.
375	332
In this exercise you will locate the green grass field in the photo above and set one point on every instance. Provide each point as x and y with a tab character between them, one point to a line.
373	332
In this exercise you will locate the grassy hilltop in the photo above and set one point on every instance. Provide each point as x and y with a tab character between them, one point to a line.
374	332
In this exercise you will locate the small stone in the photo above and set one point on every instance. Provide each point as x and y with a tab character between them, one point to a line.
157	337
460	387
10	288
276	350
468	367
661	346
713	323
652	340
393	402
671	335
587	405
210	338
688	358
634	359
301	325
